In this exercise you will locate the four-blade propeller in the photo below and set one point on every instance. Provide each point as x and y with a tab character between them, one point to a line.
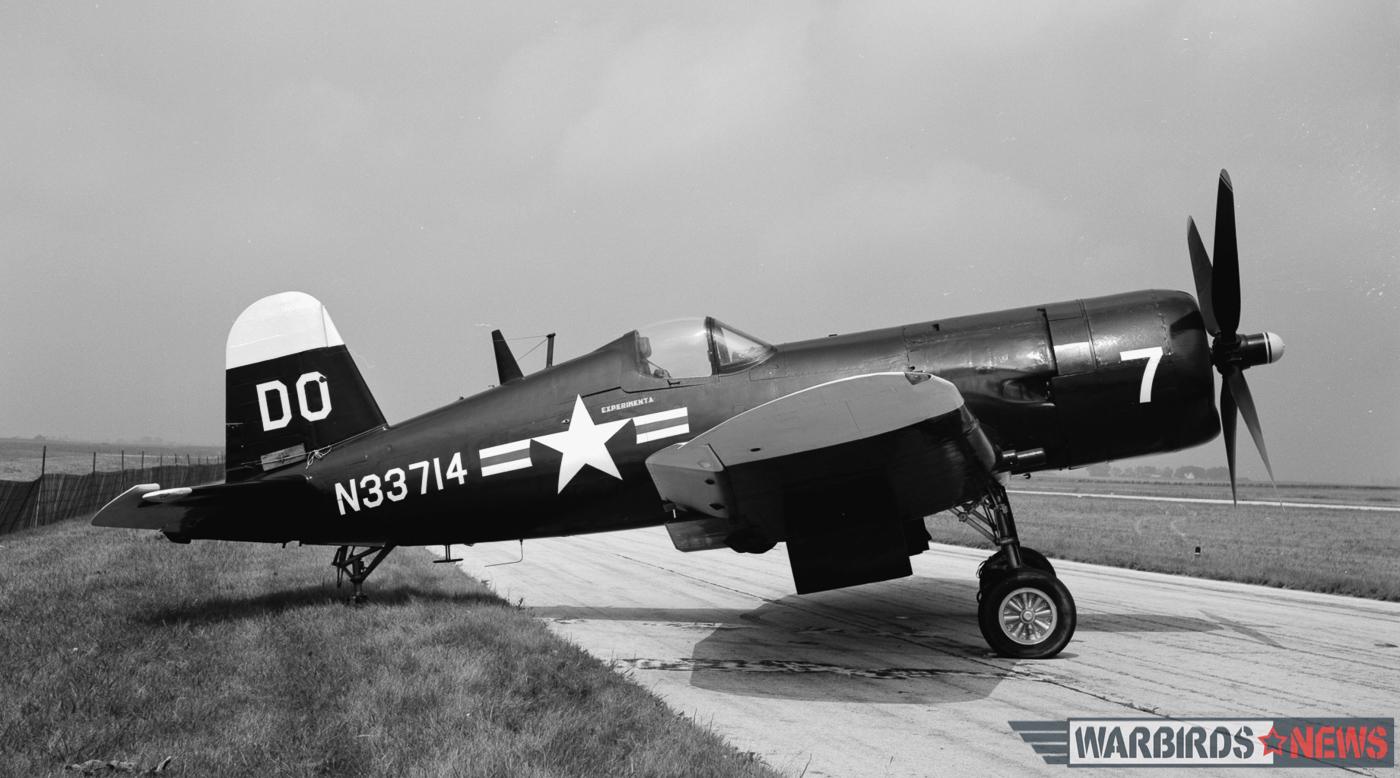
1218	291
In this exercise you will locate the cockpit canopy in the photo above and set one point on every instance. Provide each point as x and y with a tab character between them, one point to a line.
697	348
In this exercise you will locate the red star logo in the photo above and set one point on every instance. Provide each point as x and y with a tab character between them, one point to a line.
1276	747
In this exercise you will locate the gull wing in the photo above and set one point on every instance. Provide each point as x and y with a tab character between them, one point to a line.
841	471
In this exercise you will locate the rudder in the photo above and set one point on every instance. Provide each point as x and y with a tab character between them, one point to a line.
291	386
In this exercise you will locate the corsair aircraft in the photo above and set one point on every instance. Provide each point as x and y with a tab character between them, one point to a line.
836	447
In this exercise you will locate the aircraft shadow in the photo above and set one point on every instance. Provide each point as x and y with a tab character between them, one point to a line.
909	641
913	641
1122	623
217	609
1119	623
872	652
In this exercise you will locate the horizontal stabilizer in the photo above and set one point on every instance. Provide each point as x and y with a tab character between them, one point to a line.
120	511
175	511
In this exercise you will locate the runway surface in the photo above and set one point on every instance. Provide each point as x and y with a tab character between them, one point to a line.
894	678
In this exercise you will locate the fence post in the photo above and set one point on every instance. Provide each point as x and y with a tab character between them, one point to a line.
39	496
94	462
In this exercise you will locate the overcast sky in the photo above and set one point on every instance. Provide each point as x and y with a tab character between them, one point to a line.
433	170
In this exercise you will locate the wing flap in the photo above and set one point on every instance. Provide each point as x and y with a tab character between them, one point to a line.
690	476
699	534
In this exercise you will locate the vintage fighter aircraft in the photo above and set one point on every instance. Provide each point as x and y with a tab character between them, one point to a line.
837	446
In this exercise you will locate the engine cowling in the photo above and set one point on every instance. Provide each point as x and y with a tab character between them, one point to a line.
1132	375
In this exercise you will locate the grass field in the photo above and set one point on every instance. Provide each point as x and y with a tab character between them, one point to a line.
1318	549
21	458
240	659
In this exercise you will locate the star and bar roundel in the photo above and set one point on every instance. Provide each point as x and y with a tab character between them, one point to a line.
584	443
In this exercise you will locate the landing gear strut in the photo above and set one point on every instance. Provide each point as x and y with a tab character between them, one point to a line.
1023	610
350	561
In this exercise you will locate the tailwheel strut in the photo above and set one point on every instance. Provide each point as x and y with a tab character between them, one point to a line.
1023	610
349	562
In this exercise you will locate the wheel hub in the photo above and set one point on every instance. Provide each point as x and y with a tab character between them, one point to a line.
1028	616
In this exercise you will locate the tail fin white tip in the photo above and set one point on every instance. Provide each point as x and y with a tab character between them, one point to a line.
279	325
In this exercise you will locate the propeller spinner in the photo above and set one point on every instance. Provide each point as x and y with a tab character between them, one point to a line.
1218	291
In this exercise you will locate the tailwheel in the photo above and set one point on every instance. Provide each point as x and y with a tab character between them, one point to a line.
349	562
1027	614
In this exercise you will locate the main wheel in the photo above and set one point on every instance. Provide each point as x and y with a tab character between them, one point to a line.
1026	614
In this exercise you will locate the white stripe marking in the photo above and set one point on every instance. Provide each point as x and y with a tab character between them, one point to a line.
504	448
1206	501
505	467
664	432
674	413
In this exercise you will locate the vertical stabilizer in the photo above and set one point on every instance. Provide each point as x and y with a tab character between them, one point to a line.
291	386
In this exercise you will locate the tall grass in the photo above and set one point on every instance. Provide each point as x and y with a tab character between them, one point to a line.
240	659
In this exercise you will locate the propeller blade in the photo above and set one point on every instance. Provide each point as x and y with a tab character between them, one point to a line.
1227	430
1239	389
1200	268
1225	281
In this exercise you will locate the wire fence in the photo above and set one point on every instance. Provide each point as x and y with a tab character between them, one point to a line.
57	496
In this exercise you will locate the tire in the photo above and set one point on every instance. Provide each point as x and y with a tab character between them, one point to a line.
1027	614
997	564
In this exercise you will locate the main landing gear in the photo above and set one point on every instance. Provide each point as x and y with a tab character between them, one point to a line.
1022	608
350	561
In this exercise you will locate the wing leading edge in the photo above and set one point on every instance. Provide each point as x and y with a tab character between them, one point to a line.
843	472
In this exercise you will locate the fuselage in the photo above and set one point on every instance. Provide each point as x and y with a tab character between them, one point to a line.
1054	386
838	447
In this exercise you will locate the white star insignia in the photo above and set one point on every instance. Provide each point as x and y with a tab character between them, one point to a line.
584	443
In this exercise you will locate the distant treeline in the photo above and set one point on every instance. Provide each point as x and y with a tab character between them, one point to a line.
55	497
1184	473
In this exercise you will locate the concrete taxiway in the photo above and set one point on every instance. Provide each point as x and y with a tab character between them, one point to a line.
894	678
